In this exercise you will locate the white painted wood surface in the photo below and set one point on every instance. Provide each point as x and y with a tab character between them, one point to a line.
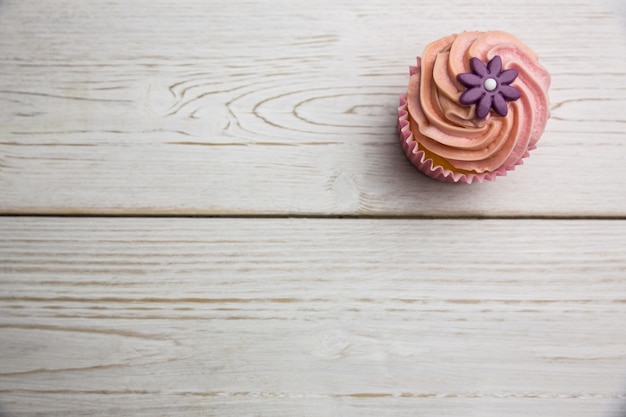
284	107
312	317
249	110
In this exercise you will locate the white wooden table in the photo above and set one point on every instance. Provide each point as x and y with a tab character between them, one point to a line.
206	212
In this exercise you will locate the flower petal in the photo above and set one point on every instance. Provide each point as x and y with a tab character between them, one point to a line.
469	80
484	105
471	96
499	105
478	67
507	76
509	92
495	65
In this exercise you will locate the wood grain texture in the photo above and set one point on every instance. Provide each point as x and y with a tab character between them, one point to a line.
305	317
259	107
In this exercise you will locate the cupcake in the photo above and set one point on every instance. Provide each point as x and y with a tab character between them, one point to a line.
476	104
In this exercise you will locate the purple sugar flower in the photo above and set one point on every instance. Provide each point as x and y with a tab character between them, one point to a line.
488	86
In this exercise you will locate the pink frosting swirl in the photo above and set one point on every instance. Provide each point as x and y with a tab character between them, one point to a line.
447	130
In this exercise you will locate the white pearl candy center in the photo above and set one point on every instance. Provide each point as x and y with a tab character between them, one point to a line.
490	84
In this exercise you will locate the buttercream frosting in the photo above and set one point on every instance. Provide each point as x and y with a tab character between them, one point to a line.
450	133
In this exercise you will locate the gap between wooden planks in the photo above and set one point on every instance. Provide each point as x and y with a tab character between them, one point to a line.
312	317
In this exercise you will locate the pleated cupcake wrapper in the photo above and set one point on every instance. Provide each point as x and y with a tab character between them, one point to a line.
428	167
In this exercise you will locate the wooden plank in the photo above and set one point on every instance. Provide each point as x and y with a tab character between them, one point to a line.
312	317
283	107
